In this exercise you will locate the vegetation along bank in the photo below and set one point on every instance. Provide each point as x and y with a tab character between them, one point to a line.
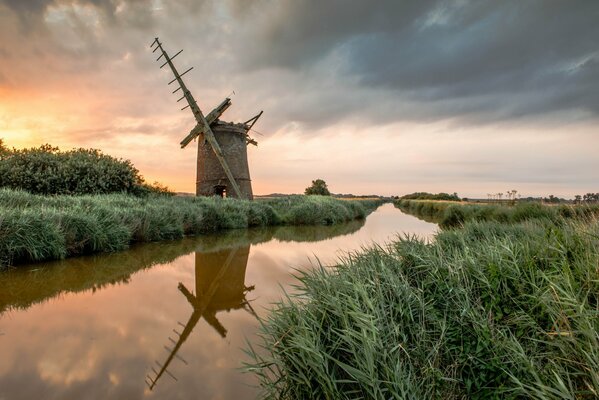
35	227
47	170
506	307
452	214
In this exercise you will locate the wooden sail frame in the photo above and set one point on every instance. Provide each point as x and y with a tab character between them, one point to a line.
203	126
200	303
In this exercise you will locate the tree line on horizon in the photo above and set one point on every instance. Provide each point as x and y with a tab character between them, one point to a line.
511	196
47	170
431	196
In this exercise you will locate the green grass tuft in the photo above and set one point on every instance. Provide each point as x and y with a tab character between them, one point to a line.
453	214
489	311
36	228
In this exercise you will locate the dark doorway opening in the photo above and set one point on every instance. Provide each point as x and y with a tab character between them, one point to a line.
220	190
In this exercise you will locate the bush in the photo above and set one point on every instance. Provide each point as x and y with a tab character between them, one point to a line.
430	196
46	170
319	187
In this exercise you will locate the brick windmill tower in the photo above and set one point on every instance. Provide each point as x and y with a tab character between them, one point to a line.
219	286
222	165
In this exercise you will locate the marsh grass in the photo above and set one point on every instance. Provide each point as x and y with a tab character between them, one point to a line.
25	286
453	214
321	210
36	228
489	311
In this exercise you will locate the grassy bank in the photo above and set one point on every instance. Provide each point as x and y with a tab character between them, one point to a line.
36	228
488	311
25	286
451	214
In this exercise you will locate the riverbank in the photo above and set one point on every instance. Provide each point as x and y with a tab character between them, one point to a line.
450	214
24	286
37	228
492	310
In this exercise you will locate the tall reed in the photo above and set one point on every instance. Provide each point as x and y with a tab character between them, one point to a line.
35	228
488	311
452	214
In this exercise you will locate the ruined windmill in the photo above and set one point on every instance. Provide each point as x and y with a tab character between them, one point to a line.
219	286
222	166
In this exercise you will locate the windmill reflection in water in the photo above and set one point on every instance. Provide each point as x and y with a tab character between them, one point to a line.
219	286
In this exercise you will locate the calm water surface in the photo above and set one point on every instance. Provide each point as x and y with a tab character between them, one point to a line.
163	320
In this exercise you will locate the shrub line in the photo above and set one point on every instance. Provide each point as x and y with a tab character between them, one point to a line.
36	228
454	214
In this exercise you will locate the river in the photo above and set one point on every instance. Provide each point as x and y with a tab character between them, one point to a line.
162	320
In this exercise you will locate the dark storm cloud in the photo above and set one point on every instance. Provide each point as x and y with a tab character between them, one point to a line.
490	59
31	12
27	9
381	62
293	33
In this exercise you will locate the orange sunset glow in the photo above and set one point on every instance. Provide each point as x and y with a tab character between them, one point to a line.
402	101
299	199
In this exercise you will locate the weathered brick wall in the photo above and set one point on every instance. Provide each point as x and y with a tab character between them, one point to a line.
230	288
210	173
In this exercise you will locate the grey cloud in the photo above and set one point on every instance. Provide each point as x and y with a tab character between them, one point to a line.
317	66
292	34
31	12
515	55
27	9
472	61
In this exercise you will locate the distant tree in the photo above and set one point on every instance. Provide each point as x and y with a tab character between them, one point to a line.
430	196
511	195
577	199
553	199
318	187
591	197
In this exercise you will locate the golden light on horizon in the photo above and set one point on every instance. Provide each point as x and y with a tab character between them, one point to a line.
338	104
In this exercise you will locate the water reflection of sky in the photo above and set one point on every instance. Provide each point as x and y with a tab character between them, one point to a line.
74	342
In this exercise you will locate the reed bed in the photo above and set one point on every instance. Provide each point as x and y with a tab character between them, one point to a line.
36	228
452	214
25	286
488	311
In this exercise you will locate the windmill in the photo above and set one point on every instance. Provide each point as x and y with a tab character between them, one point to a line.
219	286
222	166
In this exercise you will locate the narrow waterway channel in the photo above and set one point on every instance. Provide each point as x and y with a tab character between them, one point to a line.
162	320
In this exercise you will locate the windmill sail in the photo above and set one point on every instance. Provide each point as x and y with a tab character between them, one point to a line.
214	292
210	118
203	126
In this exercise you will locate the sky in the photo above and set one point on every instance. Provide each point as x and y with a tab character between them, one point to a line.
387	97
